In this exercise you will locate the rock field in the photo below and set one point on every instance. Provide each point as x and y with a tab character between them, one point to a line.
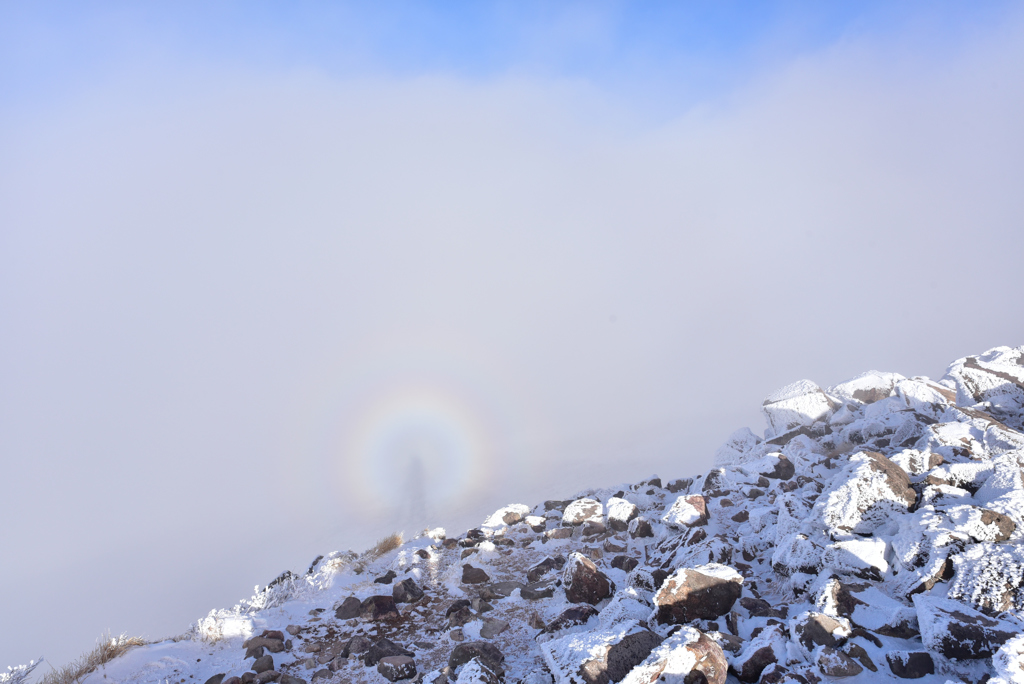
872	534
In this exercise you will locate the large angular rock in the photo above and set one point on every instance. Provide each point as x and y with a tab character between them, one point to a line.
687	511
583	582
958	631
870	491
571	617
705	592
620	513
687	656
782	468
599	657
381	648
835	663
910	664
348	609
989	577
478	671
766	648
508	515
484	651
540	569
396	668
407	591
867	388
867	607
583	511
378	608
801	403
472	575
812	629
640	528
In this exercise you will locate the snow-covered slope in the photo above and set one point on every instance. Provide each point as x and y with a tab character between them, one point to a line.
872	534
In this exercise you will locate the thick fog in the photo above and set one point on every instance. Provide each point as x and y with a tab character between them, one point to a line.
250	317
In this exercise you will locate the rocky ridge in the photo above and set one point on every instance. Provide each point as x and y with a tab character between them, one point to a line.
871	534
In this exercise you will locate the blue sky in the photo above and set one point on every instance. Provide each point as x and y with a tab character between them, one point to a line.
669	54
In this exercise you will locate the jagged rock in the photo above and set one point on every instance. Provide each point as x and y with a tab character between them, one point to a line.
536	591
263	664
687	511
989	577
817	629
478	671
796	554
290	679
356	645
480	604
624	563
620	513
869	608
559	533
397	667
958	631
571	617
685	657
857	652
761	608
407	591
272	645
378	608
764	649
216	679
583	582
387	578
600	657
782	468
871	490
267	676
507	515
540	569
835	663
471	575
381	648
484	651
861	558
492	627
499	590
910	664
705	592
801	403
536	522
640	528
582	511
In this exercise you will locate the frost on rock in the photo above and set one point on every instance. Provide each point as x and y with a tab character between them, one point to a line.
687	511
872	534
989	577
508	515
1008	662
870	493
598	657
802	403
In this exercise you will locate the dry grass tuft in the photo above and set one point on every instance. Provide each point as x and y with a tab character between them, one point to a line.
388	543
108	649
